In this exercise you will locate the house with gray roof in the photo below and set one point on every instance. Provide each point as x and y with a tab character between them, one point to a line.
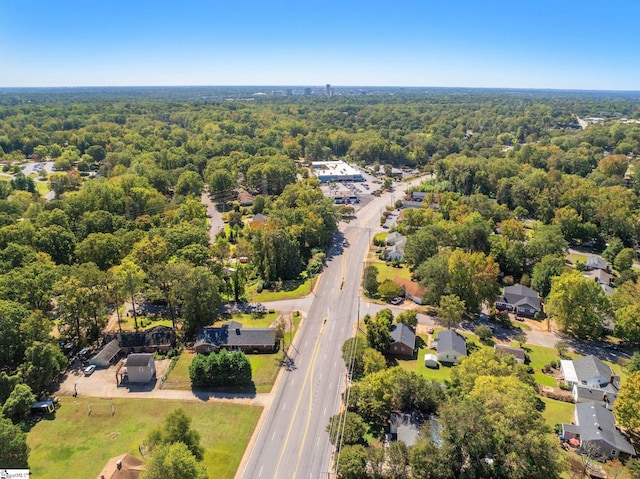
395	238
450	346
140	367
403	340
520	300
588	371
517	353
594	430
597	262
592	380
233	336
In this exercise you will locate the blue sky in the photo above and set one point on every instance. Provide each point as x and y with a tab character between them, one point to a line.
566	44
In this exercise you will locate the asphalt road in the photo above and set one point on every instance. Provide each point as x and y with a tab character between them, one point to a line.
293	442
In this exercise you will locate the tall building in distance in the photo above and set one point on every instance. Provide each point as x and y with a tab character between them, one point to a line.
307	91
328	89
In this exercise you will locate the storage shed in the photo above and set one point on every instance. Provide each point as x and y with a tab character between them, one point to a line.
431	361
107	355
141	367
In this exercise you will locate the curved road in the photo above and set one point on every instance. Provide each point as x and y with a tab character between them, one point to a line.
292	441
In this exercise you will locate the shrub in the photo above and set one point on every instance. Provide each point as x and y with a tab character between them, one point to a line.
221	369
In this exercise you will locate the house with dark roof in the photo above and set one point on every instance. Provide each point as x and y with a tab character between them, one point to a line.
594	431
450	346
233	336
591	380
517	353
158	338
403	340
520	300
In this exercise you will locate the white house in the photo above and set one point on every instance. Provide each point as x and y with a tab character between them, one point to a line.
141	367
450	346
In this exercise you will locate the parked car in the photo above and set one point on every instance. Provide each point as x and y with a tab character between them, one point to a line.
397	300
88	371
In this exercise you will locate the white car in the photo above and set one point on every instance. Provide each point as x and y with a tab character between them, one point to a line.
397	300
88	371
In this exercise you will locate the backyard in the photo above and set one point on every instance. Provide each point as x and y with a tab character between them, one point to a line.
77	442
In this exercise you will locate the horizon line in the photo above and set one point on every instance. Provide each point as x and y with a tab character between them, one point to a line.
51	87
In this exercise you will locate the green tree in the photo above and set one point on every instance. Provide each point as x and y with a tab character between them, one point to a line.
103	249
14	451
420	246
176	429
624	260
18	404
370	280
473	278
485	362
433	274
543	271
58	242
129	278
633	365
189	183
373	361
174	461
7	383
546	240
522	446
199	292
408	317
12	338
614	247
353	354
578	305
389	290
627	324
42	364
626	411
378	336
451	311
351	462
346	428
484	333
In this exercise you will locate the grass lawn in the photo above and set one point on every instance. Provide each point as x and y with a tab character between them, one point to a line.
290	290
85	443
443	373
42	187
179	376
557	411
264	367
575	257
386	271
258	320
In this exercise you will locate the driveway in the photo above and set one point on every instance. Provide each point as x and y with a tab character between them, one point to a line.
102	384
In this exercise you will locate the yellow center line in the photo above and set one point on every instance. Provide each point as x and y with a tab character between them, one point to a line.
295	412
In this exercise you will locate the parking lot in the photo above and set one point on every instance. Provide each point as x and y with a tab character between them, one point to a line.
102	382
37	167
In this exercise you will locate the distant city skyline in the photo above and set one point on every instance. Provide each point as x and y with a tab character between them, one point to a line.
547	44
